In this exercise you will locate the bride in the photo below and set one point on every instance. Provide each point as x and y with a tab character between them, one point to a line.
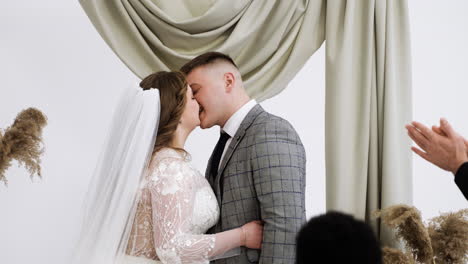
146	204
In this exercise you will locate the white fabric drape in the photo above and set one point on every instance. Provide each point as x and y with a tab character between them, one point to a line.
368	72
112	196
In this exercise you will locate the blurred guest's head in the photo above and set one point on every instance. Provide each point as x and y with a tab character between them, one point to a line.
337	238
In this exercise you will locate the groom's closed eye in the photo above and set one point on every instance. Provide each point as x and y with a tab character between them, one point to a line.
195	87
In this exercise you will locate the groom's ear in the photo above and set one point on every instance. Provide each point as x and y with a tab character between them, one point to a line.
229	81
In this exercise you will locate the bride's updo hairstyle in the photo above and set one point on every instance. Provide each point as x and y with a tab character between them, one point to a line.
172	88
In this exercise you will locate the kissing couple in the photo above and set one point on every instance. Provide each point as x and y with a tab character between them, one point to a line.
147	204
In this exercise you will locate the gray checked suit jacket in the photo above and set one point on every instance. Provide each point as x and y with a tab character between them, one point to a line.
264	179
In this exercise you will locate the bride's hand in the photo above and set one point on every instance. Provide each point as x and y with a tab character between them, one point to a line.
252	234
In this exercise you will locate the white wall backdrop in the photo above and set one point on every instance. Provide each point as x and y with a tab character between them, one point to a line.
53	59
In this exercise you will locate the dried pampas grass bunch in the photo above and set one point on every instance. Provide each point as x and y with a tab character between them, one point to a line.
22	141
449	237
408	224
395	256
443	240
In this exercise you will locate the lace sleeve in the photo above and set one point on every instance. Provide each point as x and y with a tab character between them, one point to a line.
173	191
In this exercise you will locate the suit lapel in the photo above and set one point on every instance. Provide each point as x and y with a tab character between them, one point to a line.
246	123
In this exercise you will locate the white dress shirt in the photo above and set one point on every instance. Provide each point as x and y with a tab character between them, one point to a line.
234	122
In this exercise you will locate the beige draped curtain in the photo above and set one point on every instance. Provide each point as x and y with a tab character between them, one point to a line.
368	102
367	71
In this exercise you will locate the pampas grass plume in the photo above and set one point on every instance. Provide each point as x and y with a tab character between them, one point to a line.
407	222
22	141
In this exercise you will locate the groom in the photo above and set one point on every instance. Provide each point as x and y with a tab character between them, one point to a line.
257	169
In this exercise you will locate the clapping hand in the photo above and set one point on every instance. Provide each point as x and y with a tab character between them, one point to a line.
441	145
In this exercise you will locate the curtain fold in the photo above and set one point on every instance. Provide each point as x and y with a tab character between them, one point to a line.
368	96
368	102
269	40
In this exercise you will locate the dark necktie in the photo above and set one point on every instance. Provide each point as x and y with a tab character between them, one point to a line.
217	153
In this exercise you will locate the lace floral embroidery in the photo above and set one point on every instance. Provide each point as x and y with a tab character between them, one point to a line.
176	207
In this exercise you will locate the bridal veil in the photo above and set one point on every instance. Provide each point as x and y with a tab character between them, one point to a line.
112	197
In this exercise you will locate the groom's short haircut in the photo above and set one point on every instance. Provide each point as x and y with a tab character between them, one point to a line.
206	59
336	237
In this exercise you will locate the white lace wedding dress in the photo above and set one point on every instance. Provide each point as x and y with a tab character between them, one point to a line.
176	207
